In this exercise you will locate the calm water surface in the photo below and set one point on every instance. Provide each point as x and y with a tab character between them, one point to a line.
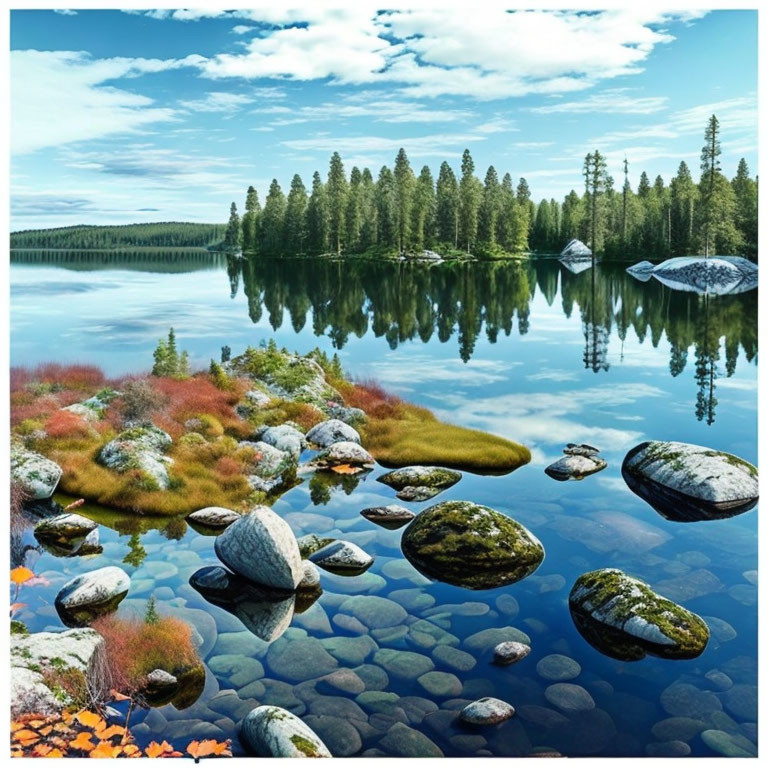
528	351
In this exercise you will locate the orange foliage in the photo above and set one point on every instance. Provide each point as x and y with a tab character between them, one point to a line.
190	397
372	398
229	467
75	376
66	424
21	574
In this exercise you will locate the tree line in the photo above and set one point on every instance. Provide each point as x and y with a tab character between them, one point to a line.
400	211
166	234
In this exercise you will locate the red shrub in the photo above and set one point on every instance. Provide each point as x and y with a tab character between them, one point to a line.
372	398
66	424
189	397
228	467
26	407
74	376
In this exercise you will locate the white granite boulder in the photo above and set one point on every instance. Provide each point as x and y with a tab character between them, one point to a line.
332	431
275	732
36	475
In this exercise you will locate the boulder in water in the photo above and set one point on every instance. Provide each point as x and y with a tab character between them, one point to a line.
575	248
332	431
687	483
579	462
213	517
92	594
717	275
275	732
342	557
642	270
390	516
36	475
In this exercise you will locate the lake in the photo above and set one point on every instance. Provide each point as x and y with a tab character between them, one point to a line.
526	350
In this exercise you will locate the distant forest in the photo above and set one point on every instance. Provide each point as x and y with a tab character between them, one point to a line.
165	234
400	211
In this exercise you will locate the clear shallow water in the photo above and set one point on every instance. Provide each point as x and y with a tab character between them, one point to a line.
528	351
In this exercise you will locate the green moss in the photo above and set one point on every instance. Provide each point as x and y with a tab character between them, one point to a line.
305	746
18	627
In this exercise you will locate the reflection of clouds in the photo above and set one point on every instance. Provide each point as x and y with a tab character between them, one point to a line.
547	417
742	385
401	371
551	374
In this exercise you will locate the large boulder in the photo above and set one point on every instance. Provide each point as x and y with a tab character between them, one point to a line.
264	612
66	526
269	461
275	732
419	483
686	482
92	594
93	408
471	546
624	618
332	431
344	453
36	475
140	448
575	248
261	547
715	275
72	654
285	438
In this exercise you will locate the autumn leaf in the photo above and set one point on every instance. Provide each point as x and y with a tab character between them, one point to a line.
74	505
117	696
107	733
345	469
41	750
35	723
82	742
91	720
21	574
157	750
130	750
207	748
25	737
105	749
16	726
55	753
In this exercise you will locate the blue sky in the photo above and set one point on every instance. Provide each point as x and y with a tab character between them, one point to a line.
169	115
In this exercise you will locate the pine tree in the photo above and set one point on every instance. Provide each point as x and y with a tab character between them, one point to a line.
541	235
595	178
572	215
423	210
710	169
250	222
404	184
173	354
354	210
151	615
447	205
527	206
160	355
295	225
337	201
318	217
470	192
272	221
369	221
232	235
182	372
625	192
745	190
385	208
489	208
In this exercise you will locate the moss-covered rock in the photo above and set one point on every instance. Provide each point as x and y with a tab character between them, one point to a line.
428	477
36	475
624	618
471	546
141	449
688	483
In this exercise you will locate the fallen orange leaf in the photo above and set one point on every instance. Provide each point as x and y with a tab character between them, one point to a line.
82	742
105	749
26	737
41	750
345	469
21	574
91	720
117	696
107	733
55	753
130	749
156	750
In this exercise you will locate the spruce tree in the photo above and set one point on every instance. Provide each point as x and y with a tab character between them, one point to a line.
232	235
273	221
470	191
423	210
250	222
295	224
318	217
745	189
447	206
337	201
385	208
404	184
596	181
354	210
489	208
710	169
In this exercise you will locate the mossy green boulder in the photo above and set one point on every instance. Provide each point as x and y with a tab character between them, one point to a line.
624	618
470	545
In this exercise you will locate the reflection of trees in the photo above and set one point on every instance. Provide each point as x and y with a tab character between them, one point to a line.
707	354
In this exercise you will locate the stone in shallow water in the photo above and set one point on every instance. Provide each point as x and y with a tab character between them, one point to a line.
311	543
413	600
454	658
65	526
667	749
261	547
741	702
569	698
470	545
487	711
275	732
390	516
507	605
350	650
417	493
486	639
375	612
575	467
440	684
429	477
403	664
721	630
685	483
338	734
310	579
677	728
299	660
718	680
213	517
404	741
624	618
92	594
342	557
685	700
342	453
729	744
510	652
558	667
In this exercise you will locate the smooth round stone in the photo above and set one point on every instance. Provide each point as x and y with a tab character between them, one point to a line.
413	600
489	638
685	700
721	630
542	716
477	688
569	698
392	515
729	744
558	667
310	576
741	702
389	635
453	658
240	670
94	588
440	684
67	526
404	741
510	652
377	701
667	749
350	650
416	707
750	576
254	690
374	678
470	608
373	611
299	660
339	735
487	711
397	570
213	517
364	583
507	605
427	634
332	431
403	664
718	680
314	620
468	743
275	732
344	680
349	624
677	728
341	556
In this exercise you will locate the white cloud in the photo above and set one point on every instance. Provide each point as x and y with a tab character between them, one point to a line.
217	101
65	12
240	29
62	96
612	101
436	145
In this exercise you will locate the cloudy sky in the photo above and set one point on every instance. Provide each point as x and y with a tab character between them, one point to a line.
168	115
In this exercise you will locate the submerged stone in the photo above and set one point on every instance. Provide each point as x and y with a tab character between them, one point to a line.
510	652
213	517
487	711
686	483
391	516
275	732
575	467
65	526
470	545
624	618
342	557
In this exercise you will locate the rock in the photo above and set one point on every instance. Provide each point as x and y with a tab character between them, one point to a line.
403	664
343	453
310	579
510	652
569	698
440	684
417	493
575	248
454	658
487	711
141	448
717	275
74	652
728	744
92	594
486	639
575	467
624	618
213	517
470	545
350	650
265	612
299	660
37	475
349	415
311	543
558	667
684	482
342	557
341	680
391	516
403	741
261	547
375	612
332	431
427	477
642	270
685	700
677	729
258	398
741	702
275	732
340	735
65	527
271	461
285	438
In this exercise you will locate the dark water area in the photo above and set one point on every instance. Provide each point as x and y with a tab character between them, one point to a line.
525	350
